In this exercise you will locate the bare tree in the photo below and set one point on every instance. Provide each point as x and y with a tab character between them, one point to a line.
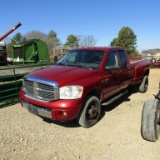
87	40
53	43
36	35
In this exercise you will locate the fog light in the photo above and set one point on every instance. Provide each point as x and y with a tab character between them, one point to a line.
62	113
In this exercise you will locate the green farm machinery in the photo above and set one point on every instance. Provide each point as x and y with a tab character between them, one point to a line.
30	51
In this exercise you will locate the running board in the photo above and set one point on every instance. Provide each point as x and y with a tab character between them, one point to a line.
115	98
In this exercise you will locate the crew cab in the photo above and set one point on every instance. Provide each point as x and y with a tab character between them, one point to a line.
81	82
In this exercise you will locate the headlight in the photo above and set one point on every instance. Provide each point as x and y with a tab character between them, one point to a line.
71	92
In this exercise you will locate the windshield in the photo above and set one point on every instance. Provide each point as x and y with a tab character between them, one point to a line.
90	59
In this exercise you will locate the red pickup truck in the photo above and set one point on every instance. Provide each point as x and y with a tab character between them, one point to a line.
81	82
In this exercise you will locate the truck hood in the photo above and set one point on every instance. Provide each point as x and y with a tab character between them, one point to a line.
62	74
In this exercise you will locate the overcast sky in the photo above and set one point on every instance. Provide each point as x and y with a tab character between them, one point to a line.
102	19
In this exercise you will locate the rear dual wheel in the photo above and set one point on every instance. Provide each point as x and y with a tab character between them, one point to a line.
150	124
144	85
141	87
90	113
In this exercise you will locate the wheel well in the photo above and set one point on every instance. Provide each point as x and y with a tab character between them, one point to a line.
95	92
147	72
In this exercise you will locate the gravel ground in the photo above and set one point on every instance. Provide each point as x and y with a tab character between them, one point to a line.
24	136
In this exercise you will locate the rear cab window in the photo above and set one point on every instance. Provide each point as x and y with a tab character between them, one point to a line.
122	55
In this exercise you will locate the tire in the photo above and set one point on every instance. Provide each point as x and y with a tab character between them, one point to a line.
90	113
150	123
144	85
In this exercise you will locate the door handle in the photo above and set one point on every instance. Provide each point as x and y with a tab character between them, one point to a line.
119	72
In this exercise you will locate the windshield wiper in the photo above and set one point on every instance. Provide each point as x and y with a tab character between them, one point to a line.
75	64
83	66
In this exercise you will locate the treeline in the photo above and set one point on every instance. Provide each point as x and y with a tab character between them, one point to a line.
126	39
52	40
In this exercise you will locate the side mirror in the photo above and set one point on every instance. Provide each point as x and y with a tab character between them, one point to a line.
123	63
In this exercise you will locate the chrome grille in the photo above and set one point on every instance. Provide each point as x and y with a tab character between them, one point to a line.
29	89
45	87
46	95
38	88
29	83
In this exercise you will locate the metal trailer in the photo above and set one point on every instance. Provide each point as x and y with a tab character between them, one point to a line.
150	123
30	51
3	50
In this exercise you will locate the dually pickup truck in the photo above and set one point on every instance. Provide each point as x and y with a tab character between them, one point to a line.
81	82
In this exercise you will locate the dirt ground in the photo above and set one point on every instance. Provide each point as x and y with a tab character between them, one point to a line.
117	136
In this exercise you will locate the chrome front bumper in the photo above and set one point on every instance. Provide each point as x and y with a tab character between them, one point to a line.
37	110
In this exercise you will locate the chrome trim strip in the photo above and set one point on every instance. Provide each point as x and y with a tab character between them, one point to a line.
41	80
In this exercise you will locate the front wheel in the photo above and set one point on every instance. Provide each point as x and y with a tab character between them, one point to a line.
90	113
150	124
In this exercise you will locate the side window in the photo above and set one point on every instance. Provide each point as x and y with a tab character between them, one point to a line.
112	60
122	55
